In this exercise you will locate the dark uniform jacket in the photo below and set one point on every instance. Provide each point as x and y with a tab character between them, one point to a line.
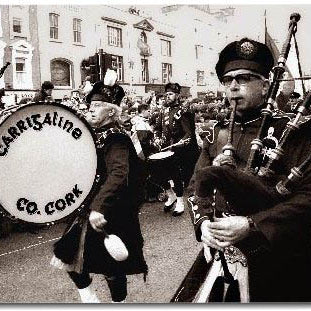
176	123
279	254
118	197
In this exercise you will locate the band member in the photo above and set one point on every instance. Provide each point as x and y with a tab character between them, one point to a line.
45	93
144	130
294	101
176	125
267	251
115	203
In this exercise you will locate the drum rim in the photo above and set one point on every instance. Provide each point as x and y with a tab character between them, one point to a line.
88	198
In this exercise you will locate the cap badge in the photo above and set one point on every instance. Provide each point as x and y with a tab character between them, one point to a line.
246	50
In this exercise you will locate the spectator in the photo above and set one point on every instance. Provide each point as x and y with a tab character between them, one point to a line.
45	93
160	100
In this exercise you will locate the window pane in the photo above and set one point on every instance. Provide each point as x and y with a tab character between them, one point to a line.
56	20
145	70
53	26
114	36
17	25
166	72
60	73
20	67
165	47
200	77
76	30
117	64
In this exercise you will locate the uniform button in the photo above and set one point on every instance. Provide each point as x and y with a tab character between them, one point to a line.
197	216
213	203
195	207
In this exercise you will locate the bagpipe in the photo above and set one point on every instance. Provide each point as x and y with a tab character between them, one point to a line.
246	192
252	189
259	186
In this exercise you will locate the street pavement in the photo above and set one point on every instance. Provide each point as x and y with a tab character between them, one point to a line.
27	277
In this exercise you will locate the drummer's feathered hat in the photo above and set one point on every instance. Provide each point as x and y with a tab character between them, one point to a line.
245	54
110	94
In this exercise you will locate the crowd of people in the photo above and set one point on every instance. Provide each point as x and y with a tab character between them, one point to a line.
254	249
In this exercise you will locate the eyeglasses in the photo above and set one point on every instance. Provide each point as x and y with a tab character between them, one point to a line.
241	79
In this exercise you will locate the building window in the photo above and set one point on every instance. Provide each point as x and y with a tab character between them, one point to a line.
166	72
114	36
200	77
198	51
165	48
22	64
144	71
61	72
20	72
54	26
17	25
77	30
117	64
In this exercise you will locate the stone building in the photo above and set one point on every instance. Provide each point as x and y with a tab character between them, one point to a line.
49	42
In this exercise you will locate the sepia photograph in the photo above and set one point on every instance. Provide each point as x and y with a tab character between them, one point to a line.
155	153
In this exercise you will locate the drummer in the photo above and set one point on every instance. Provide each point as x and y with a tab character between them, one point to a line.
115	203
176	125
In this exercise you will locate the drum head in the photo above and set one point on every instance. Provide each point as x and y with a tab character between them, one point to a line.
161	155
48	163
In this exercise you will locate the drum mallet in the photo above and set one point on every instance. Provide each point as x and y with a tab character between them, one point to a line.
177	144
115	247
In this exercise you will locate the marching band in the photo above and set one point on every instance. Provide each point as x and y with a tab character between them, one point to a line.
247	186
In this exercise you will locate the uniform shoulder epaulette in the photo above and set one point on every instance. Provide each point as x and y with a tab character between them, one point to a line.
182	110
208	131
102	137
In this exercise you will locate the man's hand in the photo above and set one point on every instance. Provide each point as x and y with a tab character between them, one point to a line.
207	237
224	232
97	221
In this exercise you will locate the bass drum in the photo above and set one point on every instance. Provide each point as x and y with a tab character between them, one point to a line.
48	163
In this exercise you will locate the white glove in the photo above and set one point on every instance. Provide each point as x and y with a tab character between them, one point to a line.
97	221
